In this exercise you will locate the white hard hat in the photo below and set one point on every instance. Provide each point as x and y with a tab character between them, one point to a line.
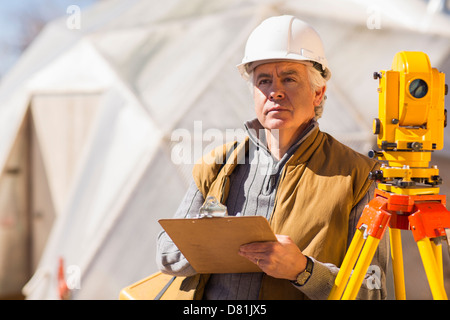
284	38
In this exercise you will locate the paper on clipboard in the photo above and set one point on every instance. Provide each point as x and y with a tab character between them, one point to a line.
211	245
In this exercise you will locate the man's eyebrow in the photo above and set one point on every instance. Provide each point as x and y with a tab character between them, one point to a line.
263	75
288	72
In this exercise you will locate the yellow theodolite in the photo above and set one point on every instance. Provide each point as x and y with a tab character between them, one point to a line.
411	122
409	127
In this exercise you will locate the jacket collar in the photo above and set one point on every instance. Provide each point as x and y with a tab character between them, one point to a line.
257	136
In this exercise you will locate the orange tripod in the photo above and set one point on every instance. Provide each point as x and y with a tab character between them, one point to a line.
427	218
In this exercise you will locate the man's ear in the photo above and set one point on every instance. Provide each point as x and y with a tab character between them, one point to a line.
319	95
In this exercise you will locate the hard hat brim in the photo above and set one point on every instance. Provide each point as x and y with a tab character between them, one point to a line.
247	67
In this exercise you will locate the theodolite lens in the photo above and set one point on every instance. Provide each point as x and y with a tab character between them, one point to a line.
418	88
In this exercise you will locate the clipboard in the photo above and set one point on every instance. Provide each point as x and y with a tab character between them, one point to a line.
211	245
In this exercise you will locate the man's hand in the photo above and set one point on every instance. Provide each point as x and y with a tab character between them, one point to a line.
281	259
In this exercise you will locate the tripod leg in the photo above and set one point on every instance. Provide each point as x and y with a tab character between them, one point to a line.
397	263
431	269
437	250
372	224
347	265
361	267
447	232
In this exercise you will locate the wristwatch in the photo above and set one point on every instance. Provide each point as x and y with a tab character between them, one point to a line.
304	276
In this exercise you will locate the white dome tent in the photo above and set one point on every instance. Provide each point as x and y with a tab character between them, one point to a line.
87	117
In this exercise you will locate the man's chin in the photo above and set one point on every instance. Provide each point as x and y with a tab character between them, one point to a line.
276	124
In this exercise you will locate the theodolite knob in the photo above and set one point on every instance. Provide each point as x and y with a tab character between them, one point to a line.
376	175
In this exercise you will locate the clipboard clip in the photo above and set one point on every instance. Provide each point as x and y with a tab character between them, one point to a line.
212	208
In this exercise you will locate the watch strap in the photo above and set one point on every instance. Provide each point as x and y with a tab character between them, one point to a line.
305	274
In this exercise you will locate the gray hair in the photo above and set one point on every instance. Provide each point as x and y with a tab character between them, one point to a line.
316	80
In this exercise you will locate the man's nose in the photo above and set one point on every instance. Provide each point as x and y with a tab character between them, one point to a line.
276	94
276	91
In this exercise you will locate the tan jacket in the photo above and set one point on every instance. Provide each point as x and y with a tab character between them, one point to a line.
317	189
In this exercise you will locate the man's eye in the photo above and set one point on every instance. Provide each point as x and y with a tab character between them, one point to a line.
264	81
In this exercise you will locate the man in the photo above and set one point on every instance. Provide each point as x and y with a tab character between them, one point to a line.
310	187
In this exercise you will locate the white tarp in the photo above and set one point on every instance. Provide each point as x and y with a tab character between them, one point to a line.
162	67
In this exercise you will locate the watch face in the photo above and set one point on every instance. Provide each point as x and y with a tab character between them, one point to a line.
302	277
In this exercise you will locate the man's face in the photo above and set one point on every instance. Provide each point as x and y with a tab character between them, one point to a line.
283	96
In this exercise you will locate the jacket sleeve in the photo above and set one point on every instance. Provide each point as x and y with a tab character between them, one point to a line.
168	258
374	284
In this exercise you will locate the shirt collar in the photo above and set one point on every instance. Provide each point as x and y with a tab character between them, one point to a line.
257	135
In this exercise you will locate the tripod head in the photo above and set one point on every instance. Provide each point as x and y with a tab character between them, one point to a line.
410	124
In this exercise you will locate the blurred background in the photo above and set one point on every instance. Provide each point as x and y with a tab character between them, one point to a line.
92	92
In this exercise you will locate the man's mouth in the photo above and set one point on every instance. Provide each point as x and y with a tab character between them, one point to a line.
277	109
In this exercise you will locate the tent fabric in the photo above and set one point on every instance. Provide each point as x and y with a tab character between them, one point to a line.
163	69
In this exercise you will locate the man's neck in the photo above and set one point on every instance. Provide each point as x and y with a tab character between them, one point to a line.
280	140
